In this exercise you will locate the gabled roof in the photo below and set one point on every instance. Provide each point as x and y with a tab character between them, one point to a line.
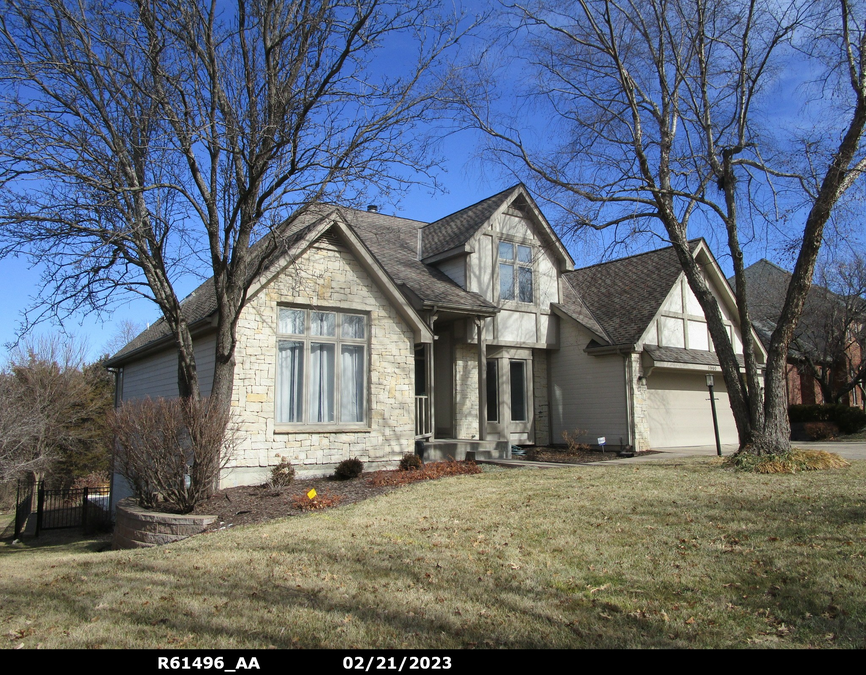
458	228
201	304
623	296
394	242
766	287
391	241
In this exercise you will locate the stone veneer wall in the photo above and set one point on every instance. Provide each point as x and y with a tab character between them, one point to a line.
136	527
640	422
466	390
541	404
325	277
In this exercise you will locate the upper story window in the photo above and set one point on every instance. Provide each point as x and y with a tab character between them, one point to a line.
321	367
515	272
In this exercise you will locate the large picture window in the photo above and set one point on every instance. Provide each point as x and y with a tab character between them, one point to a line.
515	272
321	367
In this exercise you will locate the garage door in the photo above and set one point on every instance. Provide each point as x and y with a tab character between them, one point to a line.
680	414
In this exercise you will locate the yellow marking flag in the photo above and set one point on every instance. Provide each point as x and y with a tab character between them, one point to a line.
312	494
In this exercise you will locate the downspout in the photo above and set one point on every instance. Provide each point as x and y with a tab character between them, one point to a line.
629	400
430	372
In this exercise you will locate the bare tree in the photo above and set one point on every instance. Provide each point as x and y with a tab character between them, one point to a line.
53	417
831	338
657	118
140	139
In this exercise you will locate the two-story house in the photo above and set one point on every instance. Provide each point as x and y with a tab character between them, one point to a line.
372	335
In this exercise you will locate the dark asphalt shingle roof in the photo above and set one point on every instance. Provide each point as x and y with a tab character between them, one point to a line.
457	229
624	295
202	303
691	356
766	287
393	241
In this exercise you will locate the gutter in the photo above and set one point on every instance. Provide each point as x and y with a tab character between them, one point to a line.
160	343
622	349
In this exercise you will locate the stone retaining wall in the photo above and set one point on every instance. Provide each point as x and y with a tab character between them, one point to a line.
139	528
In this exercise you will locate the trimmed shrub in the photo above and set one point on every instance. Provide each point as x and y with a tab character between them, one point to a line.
818	431
282	476
848	419
171	449
348	469
411	462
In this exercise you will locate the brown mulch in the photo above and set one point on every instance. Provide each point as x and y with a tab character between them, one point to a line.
257	504
582	456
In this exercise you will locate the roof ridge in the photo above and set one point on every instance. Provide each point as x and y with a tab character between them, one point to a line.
631	257
424	223
471	206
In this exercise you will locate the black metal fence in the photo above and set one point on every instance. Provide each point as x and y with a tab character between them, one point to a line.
87	508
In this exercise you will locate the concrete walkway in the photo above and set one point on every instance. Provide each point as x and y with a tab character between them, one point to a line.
848	450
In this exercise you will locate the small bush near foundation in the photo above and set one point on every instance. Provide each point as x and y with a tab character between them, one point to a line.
411	462
172	449
282	476
348	469
572	446
797	460
320	501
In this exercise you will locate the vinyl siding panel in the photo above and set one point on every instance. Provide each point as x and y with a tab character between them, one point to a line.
587	393
156	375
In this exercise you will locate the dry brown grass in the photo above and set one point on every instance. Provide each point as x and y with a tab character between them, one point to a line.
683	555
797	460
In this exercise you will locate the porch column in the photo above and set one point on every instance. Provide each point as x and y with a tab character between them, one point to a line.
430	370
482	379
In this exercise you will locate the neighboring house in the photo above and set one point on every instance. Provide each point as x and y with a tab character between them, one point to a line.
372	335
825	352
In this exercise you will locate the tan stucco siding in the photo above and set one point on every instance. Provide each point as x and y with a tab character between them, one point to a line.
587	393
518	322
681	321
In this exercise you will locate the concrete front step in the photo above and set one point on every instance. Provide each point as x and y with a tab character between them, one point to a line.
459	449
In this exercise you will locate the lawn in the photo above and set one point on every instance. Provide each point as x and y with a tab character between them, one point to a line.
685	555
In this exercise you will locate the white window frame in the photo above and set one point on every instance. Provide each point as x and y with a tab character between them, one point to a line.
338	341
516	264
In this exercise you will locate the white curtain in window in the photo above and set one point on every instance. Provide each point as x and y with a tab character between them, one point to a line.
291	381
321	382
352	384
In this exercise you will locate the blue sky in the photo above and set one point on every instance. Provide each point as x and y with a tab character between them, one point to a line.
468	177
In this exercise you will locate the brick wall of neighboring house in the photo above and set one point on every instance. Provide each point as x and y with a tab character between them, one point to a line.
325	277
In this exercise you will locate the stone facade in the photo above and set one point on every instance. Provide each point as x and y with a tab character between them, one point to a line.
541	404
466	390
640	399
325	277
136	527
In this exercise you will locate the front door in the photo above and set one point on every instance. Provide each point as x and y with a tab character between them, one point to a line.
509	397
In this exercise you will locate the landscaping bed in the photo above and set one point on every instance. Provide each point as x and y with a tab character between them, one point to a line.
571	456
256	504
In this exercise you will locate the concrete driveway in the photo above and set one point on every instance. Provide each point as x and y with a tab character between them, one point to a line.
848	450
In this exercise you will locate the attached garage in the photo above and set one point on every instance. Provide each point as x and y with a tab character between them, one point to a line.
679	413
